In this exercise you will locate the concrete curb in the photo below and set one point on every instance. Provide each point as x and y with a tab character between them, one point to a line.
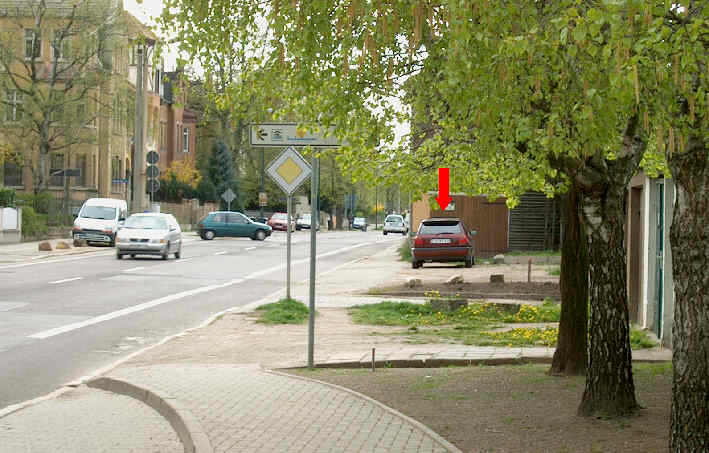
185	424
434	435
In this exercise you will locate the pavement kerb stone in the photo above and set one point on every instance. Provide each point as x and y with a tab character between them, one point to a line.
185	424
435	436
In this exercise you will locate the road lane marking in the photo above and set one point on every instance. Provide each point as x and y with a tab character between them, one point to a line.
249	248
139	268
65	280
221	253
177	296
81	256
182	260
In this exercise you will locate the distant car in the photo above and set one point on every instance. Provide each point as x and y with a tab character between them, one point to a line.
303	222
234	224
279	220
359	223
443	240
149	234
395	223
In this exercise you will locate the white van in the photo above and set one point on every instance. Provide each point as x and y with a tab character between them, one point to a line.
98	220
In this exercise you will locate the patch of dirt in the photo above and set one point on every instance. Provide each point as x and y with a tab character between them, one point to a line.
517	408
478	290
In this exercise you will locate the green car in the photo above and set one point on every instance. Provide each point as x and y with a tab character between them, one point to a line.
234	224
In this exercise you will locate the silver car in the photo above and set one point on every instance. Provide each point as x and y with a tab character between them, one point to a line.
395	223
149	234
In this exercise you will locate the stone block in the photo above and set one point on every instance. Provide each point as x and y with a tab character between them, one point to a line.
62	245
447	304
497	279
413	282
80	243
498	259
455	279
45	246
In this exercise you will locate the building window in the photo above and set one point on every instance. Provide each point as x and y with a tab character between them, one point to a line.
115	173
185	140
56	165
81	165
12	173
33	44
162	138
14	110
60	45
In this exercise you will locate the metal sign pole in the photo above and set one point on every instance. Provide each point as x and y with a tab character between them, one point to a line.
313	227
288	253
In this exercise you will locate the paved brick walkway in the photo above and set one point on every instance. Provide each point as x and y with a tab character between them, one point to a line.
87	420
246	409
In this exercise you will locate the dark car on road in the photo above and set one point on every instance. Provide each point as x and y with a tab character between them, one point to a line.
443	240
235	224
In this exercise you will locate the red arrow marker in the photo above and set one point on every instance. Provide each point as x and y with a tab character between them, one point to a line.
443	197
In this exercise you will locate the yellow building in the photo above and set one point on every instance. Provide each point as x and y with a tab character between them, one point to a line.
90	111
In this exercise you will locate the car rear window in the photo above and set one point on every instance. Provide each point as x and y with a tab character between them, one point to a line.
394	219
279	216
452	227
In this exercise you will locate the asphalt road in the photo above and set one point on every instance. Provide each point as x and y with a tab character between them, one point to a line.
64	318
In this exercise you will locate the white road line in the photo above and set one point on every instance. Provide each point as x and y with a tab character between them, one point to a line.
139	268
182	260
65	280
221	253
63	260
249	248
177	296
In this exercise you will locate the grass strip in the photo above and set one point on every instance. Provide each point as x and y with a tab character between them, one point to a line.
285	311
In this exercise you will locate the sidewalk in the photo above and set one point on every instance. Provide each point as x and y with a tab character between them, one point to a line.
214	384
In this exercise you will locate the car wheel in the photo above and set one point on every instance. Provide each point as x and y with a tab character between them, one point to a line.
112	243
415	264
260	235
178	253
132	255
119	256
209	235
469	262
385	233
166	252
76	243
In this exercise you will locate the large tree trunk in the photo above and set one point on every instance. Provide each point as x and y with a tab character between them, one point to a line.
689	239
610	390
570	357
609	380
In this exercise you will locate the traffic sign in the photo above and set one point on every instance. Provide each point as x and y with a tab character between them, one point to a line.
289	170
152	171
153	157
262	199
153	185
289	134
228	195
69	172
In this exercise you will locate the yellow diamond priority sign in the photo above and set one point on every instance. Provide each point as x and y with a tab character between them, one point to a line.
289	170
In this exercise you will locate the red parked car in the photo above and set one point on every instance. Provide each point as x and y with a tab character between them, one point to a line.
279	220
443	240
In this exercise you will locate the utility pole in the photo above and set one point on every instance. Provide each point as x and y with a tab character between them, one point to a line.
139	153
314	222
263	185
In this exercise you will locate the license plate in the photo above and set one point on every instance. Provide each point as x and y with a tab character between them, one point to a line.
440	241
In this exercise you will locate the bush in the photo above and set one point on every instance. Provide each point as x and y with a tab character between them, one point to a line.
40	202
7	197
33	223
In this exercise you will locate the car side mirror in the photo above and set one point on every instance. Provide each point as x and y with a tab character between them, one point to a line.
172	228
473	232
